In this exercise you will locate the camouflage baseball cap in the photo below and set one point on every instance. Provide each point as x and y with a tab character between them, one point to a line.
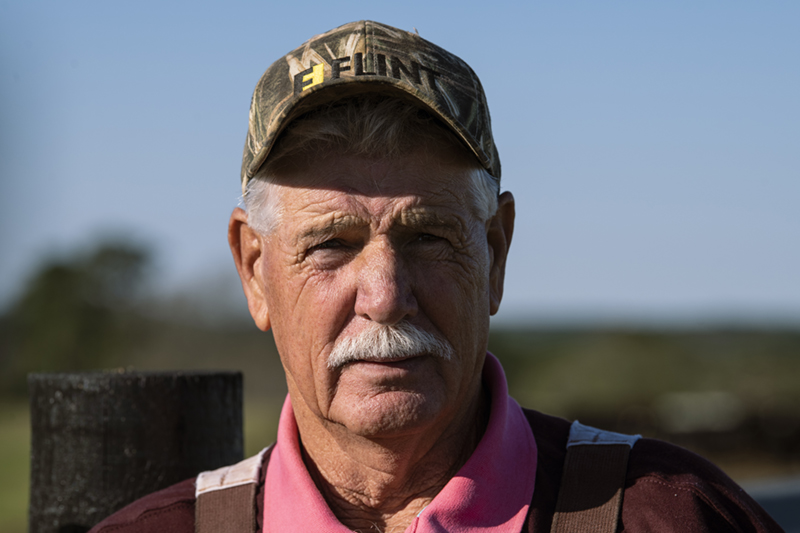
367	56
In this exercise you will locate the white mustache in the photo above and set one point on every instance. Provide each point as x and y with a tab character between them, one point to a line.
385	343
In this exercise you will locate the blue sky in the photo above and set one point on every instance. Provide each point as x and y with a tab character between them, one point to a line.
653	148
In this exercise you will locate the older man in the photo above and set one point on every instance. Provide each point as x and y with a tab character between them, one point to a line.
374	245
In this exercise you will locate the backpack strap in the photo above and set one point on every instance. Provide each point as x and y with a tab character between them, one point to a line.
593	480
225	498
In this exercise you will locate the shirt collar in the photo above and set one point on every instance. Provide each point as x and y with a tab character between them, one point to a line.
490	493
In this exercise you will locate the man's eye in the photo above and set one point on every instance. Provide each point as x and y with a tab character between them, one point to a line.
427	237
333	243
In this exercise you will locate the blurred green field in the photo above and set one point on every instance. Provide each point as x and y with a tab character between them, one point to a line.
14	466
729	394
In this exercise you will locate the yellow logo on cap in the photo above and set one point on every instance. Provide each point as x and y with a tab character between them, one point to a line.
316	76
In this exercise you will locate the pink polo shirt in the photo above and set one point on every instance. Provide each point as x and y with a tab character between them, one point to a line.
490	493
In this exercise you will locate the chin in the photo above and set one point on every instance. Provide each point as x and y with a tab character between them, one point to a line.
389	414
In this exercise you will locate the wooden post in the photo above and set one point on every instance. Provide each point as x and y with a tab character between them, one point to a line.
101	440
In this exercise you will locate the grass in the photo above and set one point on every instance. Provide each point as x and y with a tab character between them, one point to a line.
14	467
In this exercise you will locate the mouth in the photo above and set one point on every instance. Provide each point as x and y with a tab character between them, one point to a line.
401	362
386	360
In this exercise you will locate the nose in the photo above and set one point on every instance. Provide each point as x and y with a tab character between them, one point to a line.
385	292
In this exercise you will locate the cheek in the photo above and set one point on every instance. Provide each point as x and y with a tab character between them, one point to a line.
454	295
457	305
308	306
462	273
309	313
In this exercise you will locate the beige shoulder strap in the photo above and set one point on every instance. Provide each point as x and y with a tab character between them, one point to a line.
225	498
593	480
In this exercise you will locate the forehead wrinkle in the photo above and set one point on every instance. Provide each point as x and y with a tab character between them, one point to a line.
323	211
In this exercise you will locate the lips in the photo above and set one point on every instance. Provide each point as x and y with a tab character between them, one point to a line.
384	360
404	363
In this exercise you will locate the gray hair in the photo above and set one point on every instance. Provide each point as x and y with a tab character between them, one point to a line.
367	126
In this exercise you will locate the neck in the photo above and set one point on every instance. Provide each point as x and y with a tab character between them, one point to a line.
375	484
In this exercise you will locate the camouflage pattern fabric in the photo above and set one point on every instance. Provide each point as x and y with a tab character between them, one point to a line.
367	56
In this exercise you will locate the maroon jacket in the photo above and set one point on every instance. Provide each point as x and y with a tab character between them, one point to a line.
667	488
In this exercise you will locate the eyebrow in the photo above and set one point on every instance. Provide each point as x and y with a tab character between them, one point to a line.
424	218
408	219
336	225
428	219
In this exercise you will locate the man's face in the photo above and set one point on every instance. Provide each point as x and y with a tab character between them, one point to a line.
364	242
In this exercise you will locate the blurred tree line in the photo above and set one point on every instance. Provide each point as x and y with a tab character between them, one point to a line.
95	309
77	312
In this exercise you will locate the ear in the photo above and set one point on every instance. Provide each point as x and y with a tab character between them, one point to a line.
499	230
247	247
